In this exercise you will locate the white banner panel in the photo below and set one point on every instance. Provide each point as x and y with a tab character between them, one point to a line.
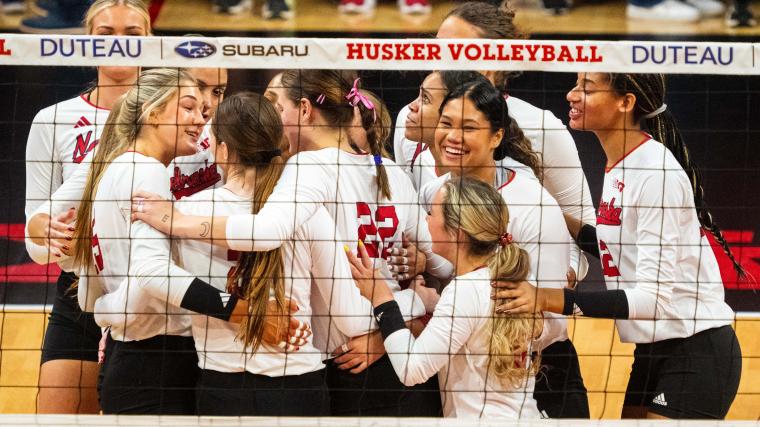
382	54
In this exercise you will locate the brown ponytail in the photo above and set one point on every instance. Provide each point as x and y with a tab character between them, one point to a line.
327	90
252	130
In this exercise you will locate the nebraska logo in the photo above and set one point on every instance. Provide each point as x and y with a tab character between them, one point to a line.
3	50
184	185
608	213
83	146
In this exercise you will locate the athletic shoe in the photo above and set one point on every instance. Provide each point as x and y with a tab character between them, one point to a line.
556	7
708	8
739	15
13	7
364	7
414	7
232	7
667	10
276	9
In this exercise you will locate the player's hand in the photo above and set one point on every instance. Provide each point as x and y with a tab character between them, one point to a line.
284	331
521	297
154	211
429	296
368	279
572	278
360	352
60	233
406	262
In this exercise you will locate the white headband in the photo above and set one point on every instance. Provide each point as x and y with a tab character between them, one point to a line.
654	113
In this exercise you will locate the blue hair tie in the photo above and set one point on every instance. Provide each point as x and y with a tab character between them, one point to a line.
378	159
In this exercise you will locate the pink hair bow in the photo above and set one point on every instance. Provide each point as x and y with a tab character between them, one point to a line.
354	97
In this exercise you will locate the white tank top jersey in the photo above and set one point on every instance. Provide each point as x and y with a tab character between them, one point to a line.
563	173
456	344
60	137
345	184
652	246
133	286
537	225
187	175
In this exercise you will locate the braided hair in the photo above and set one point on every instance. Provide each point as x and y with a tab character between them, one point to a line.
649	90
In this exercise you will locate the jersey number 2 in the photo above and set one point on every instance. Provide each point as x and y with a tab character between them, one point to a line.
608	265
375	228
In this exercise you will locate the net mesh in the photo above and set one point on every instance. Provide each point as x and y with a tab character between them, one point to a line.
713	91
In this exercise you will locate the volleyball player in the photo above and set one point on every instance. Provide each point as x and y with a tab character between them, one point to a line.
473	134
561	172
481	357
59	139
664	285
368	202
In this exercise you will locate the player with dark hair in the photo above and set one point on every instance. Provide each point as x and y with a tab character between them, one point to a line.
664	284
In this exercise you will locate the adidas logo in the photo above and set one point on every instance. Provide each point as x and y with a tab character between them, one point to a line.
225	298
660	400
82	122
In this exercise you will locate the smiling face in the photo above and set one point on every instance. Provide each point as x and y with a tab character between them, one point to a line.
119	21
464	139
594	106
423	112
179	123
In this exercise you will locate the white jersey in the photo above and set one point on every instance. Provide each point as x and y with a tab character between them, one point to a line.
536	225
344	183
312	252
187	175
59	139
456	344
652	246
563	173
132	272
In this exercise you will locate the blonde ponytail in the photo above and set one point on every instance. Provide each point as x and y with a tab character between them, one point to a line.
480	212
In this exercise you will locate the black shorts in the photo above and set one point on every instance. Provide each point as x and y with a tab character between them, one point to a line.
156	376
560	392
70	334
687	378
377	392
247	394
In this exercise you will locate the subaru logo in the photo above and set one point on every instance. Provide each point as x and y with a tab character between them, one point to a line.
195	49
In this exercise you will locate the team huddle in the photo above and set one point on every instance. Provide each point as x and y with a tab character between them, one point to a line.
263	254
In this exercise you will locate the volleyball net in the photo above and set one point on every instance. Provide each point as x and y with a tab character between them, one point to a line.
713	91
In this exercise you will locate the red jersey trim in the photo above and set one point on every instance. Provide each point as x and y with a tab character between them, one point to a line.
84	98
647	137
511	178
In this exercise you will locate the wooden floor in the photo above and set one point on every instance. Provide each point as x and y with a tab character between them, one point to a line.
605	363
588	17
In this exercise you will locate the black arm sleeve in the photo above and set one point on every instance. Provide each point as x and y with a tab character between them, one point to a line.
587	240
389	318
611	304
205	299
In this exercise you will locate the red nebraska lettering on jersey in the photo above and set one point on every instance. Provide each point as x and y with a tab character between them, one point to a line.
184	185
608	213
83	146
